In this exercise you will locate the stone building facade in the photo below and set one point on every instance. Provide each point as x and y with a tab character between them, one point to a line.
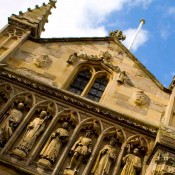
79	106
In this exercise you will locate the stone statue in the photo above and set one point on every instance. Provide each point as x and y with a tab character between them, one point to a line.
105	158
132	163
11	123
33	130
81	150
51	150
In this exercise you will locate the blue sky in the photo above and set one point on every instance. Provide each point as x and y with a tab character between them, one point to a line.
155	44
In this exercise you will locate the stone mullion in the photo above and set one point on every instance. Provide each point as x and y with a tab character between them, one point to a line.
119	159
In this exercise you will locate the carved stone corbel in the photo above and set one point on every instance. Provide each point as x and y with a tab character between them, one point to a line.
42	61
140	99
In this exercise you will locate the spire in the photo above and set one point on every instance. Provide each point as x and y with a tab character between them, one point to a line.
34	19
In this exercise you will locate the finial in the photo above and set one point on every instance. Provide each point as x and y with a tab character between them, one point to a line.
37	6
29	9
142	21
20	12
118	34
52	3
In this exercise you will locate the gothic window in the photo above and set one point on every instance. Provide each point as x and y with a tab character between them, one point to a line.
90	82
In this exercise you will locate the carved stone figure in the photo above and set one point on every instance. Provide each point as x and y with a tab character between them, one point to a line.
104	159
81	150
165	164
9	126
132	163
121	77
118	34
73	58
52	148
42	61
33	130
140	98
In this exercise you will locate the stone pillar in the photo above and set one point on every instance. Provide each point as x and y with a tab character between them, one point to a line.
162	159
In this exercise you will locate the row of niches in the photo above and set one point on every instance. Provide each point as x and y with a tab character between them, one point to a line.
52	141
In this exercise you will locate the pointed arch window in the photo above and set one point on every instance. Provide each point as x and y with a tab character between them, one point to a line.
80	81
90	82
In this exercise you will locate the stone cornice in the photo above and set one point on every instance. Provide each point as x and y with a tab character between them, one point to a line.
77	102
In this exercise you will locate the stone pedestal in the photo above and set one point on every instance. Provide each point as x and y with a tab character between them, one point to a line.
69	172
19	154
44	163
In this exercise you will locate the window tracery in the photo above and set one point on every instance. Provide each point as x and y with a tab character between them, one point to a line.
90	82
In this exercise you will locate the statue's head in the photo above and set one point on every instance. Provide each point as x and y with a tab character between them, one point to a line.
65	125
20	105
88	133
43	113
42	61
112	141
136	151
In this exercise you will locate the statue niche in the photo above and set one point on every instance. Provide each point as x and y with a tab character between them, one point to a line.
13	117
82	148
57	140
104	163
33	130
132	163
11	123
136	149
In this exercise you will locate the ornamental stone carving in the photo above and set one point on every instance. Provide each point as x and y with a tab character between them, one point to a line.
13	32
165	164
53	146
118	34
132	163
121	77
104	57
42	61
105	158
80	152
140	99
11	123
32	132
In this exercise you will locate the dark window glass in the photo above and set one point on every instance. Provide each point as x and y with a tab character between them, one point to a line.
80	82
97	88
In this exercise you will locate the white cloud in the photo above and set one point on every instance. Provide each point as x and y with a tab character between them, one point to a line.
73	18
84	18
140	40
164	34
171	10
